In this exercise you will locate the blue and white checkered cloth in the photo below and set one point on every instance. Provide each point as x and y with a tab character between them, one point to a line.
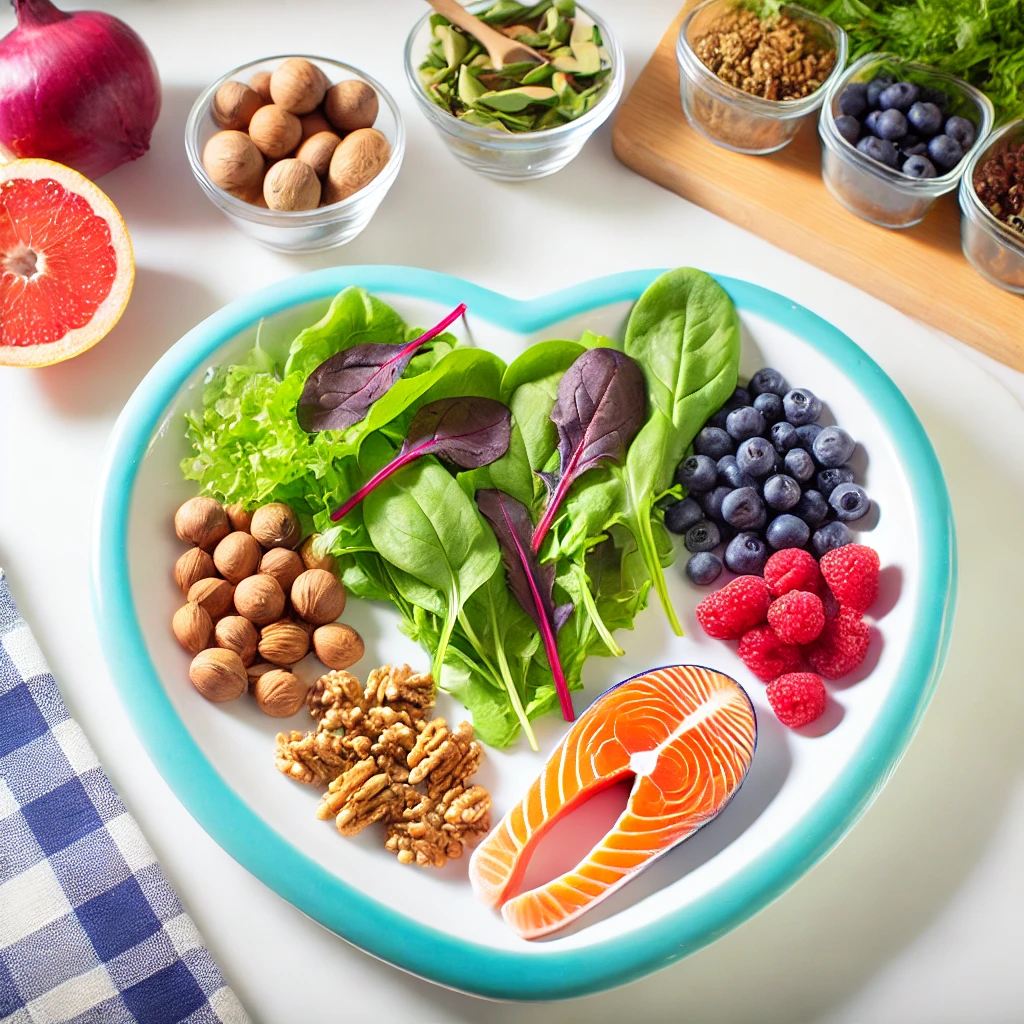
90	930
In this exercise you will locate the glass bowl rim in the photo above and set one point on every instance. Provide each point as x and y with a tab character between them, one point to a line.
968	194
500	139
257	214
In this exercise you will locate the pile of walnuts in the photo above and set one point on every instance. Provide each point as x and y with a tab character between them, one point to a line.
255	605
383	761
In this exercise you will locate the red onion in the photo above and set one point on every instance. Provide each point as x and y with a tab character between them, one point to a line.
81	88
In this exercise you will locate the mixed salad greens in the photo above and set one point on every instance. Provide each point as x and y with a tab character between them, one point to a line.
580	435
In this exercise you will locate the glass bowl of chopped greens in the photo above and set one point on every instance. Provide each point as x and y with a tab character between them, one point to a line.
992	202
527	120
887	193
736	88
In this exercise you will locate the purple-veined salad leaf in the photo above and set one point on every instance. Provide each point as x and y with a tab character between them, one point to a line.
468	432
530	582
340	391
602	403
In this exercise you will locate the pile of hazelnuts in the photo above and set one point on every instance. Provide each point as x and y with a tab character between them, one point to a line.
293	141
258	597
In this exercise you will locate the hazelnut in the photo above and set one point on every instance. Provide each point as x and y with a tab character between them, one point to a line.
314	123
356	162
191	567
291	185
298	86
234	104
317	151
256	669
201	521
260	84
276	526
283	643
234	163
338	646
279	693
214	596
351	105
237	556
274	131
218	674
238	517
260	599
283	564
318	597
312	557
191	626
237	634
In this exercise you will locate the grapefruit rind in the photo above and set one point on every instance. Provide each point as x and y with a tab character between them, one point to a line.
108	313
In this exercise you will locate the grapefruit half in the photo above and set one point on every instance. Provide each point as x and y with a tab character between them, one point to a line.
66	263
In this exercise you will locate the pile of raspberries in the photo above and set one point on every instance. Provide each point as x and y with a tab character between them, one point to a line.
802	614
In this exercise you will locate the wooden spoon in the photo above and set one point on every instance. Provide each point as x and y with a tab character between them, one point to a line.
499	47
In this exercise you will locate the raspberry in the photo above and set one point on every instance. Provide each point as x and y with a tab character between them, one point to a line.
797	698
842	645
797	617
852	575
728	613
766	655
791	569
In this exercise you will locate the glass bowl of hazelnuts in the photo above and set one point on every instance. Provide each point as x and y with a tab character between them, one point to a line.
298	152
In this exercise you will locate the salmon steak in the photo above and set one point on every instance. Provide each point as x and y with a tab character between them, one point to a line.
685	734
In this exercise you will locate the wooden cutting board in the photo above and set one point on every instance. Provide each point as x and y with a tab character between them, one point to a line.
920	270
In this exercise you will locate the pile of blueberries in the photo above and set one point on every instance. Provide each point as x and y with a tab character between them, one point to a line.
904	126
765	475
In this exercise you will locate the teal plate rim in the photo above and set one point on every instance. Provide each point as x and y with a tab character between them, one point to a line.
357	917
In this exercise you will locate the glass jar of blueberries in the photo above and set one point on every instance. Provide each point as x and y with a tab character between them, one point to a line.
765	475
896	135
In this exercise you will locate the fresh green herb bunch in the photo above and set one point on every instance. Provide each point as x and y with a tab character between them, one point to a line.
522	97
980	41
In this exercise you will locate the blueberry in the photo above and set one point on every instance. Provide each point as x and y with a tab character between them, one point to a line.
768	381
929	94
834	535
746	555
781	492
918	149
787	531
745	422
961	131
704	568
833	447
899	96
802	406
916	166
909	141
784	437
756	456
730	474
799	465
812	508
830	479
769	406
681	515
945	152
714	443
806	435
702	536
881	150
718	419
891	125
926	118
849	128
740	397
712	502
848	501
871	122
744	509
698	473
853	100
876	87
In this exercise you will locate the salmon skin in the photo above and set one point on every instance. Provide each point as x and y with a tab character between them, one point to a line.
686	734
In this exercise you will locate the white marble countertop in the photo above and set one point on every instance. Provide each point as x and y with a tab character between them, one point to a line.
918	916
